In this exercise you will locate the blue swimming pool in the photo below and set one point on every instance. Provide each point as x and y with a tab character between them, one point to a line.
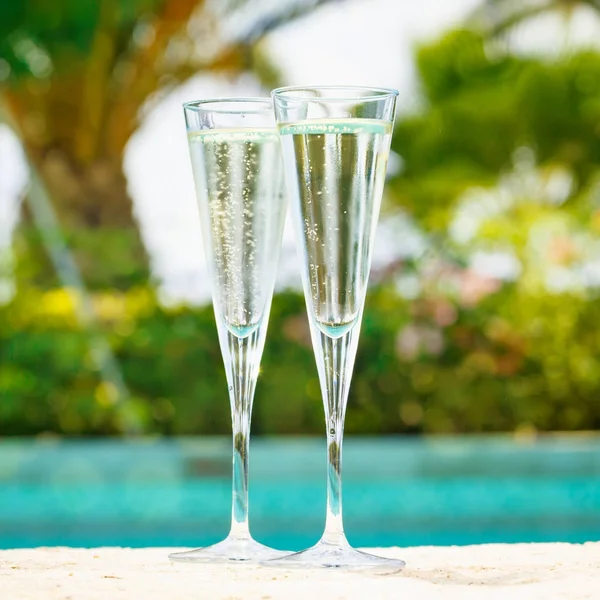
397	491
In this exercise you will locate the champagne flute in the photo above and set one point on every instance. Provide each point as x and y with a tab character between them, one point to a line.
238	174
335	143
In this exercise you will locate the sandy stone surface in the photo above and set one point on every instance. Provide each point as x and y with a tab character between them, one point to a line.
514	572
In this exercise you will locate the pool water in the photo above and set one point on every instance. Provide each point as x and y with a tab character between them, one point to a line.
397	491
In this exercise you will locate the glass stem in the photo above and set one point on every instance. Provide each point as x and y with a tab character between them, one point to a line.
337	363
242	376
334	526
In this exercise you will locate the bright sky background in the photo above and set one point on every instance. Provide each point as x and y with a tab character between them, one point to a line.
361	42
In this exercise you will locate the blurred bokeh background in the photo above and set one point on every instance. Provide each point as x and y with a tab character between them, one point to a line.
484	299
483	310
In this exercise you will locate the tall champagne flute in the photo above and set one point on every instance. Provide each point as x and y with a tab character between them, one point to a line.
238	174
335	144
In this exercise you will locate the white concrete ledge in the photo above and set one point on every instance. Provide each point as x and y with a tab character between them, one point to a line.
495	571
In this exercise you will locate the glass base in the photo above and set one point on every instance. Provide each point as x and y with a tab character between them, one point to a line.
230	550
343	557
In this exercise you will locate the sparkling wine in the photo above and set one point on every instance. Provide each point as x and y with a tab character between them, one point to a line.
239	184
336	170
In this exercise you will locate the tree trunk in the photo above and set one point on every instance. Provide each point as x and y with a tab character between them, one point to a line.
95	215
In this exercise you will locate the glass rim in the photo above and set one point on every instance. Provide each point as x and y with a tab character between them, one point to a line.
375	93
212	105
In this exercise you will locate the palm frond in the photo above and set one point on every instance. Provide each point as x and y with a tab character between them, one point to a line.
495	17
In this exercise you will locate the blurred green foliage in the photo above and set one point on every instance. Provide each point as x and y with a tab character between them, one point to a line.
483	104
501	166
487	377
490	327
